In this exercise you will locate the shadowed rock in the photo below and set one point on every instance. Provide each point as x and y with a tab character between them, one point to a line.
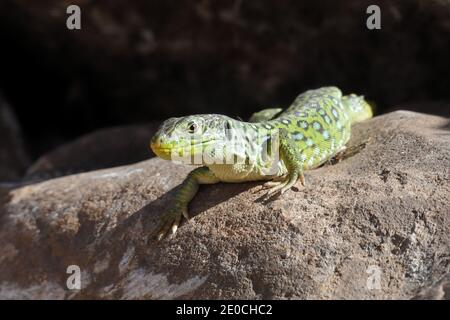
102	149
13	158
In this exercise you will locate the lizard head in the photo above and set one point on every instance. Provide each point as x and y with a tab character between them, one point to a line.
191	136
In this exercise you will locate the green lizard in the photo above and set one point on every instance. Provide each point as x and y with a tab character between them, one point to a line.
274	146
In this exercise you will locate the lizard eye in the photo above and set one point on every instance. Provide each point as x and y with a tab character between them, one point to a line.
192	127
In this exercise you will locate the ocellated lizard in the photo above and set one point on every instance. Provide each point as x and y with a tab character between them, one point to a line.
274	145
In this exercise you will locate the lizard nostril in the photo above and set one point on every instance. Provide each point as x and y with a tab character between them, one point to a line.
155	141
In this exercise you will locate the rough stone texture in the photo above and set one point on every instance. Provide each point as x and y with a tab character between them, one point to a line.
386	207
13	159
438	291
102	149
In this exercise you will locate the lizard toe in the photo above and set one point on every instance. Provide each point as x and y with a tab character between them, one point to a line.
170	221
186	214
276	189
175	224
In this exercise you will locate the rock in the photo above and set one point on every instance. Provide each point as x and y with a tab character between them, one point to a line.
102	149
438	291
375	225
13	158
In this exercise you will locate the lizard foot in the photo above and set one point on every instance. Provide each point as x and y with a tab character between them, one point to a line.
272	183
170	221
282	186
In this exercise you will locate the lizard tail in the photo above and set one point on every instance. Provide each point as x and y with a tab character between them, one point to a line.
358	108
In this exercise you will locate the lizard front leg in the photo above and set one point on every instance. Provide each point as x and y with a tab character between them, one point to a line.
293	163
187	190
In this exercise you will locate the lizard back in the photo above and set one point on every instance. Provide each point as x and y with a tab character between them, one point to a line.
319	122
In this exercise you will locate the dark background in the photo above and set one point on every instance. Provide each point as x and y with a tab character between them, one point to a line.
142	61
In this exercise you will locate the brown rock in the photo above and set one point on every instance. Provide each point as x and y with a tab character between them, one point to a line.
102	149
437	291
382	214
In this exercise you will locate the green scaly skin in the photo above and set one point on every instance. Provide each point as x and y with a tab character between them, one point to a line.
310	132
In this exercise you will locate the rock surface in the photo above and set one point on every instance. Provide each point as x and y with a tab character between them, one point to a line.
382	214
13	158
437	291
102	149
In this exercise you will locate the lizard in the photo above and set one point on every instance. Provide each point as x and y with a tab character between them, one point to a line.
275	146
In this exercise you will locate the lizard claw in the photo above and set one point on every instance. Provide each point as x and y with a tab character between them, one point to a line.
282	186
176	223
171	221
274	190
186	214
272	183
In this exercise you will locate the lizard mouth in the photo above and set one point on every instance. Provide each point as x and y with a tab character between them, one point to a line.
166	150
163	150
